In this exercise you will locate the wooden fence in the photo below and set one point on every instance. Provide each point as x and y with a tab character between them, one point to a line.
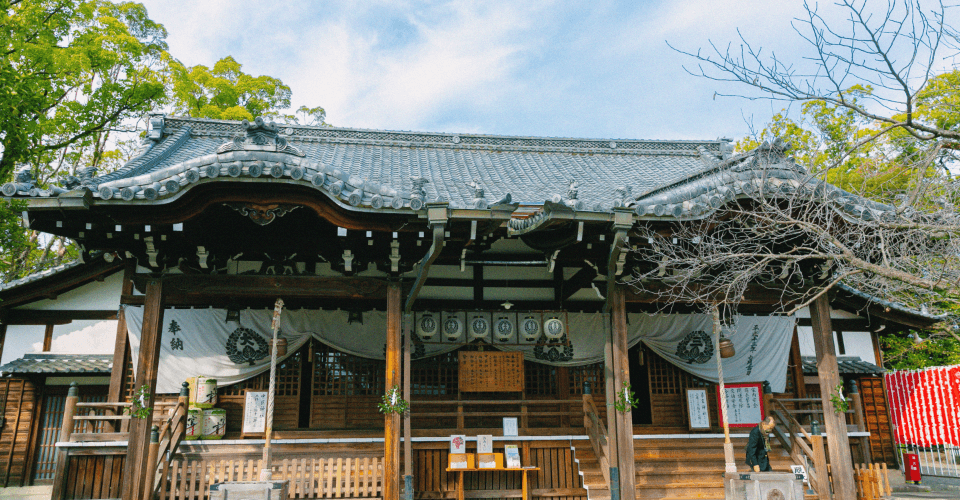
873	481
188	479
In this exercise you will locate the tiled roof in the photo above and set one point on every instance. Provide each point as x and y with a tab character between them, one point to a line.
847	365
891	304
402	171
39	275
60	363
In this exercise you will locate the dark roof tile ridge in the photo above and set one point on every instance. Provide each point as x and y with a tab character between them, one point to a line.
64	355
202	126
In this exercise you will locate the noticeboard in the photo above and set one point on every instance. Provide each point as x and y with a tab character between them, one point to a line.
698	409
744	404
254	413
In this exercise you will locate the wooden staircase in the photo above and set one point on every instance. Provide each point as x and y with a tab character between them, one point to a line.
674	469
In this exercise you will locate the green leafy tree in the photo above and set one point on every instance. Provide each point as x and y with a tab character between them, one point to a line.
70	72
225	92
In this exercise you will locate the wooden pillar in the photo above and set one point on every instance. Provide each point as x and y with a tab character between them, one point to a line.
796	362
63	455
407	443
47	338
391	424
835	424
3	337
135	466
610	395
121	348
621	367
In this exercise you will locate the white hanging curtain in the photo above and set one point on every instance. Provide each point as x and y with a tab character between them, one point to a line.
199	341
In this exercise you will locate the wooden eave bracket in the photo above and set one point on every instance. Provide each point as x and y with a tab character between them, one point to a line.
437	214
622	223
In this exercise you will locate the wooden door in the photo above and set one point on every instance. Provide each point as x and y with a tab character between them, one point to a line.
50	421
18	403
878	420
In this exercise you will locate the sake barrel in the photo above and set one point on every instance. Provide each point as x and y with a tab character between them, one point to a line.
204	392
214	423
194	423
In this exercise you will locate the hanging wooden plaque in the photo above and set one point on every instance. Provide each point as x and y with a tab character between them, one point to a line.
491	371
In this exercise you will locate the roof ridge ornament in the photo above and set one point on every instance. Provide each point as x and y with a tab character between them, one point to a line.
478	195
261	135
23	183
418	195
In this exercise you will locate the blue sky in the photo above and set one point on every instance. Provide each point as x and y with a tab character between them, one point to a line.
575	69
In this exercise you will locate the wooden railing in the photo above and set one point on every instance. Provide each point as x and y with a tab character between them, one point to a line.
597	432
528	408
105	423
166	440
804	448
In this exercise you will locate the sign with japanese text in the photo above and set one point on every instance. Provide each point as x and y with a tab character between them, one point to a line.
254	412
744	404
697	408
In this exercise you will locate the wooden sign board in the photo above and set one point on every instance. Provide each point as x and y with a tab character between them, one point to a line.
744	404
254	413
491	371
697	409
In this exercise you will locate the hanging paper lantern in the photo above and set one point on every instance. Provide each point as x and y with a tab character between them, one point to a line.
503	328
452	328
479	327
427	326
530	328
553	328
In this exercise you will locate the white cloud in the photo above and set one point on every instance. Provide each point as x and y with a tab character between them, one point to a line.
98	338
598	69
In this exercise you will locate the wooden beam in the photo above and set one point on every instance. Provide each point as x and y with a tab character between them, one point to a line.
621	366
838	444
391	427
582	279
59	317
134	470
241	286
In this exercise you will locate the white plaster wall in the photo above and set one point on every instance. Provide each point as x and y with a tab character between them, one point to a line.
98	295
20	339
855	344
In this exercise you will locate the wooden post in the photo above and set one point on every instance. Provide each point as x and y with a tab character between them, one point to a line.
66	429
3	337
391	424
407	444
151	468
138	444
613	456
47	338
856	404
121	349
838	444
621	365
820	465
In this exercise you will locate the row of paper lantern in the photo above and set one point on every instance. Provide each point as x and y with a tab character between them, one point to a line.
498	326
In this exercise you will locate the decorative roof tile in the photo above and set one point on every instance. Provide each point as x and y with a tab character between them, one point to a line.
46	362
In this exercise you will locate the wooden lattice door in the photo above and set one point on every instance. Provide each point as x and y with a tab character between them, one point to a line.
51	420
877	419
